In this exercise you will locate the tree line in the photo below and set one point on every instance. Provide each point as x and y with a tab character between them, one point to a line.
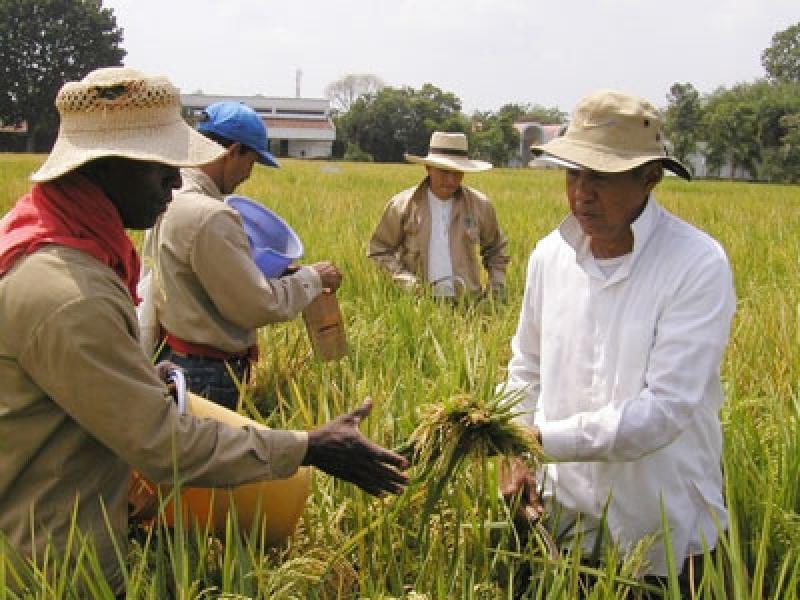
749	127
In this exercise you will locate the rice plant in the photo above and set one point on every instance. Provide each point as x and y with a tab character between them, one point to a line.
431	370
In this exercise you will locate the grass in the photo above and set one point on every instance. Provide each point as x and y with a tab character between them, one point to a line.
409	353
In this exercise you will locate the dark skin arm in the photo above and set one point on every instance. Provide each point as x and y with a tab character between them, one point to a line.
339	449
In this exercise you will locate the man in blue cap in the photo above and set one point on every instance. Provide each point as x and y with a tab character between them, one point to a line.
209	296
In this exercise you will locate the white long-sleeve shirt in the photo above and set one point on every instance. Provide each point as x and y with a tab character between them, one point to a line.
623	378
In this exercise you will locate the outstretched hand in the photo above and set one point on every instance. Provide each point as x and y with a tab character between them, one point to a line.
339	449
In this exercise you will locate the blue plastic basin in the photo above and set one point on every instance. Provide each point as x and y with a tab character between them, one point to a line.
273	243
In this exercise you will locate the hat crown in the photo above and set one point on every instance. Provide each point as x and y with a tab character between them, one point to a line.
122	112
619	122
107	96
448	141
237	122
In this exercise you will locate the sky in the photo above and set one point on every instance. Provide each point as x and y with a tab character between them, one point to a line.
486	52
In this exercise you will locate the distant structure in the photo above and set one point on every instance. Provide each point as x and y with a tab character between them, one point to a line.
298	127
298	79
534	133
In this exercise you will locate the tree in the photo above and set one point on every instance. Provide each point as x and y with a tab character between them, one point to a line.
343	92
394	121
43	44
683	119
782	59
746	127
493	137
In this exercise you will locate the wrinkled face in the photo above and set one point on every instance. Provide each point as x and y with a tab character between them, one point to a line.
237	168
140	190
605	204
444	183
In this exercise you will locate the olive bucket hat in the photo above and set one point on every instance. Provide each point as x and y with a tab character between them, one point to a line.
611	132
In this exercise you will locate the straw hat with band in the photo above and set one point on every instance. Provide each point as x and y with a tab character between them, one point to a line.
611	132
448	151
117	111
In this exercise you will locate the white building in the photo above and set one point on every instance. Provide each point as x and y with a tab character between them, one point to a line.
297	127
534	133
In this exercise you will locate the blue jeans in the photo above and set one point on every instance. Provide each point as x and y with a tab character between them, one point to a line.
211	377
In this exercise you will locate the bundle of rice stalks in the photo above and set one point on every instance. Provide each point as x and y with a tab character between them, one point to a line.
466	428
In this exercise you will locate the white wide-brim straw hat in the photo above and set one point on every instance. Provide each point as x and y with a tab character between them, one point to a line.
612	132
117	111
449	151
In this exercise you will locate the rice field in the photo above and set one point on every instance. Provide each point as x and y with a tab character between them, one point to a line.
407	353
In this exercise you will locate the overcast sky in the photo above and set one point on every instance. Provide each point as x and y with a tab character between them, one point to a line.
487	52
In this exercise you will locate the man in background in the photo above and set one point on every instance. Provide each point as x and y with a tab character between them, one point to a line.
429	234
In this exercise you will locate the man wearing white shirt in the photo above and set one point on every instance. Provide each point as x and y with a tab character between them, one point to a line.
624	321
432	233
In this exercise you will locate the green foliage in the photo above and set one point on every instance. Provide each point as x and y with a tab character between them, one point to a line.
746	124
782	59
493	138
354	153
750	128
393	121
43	44
682	123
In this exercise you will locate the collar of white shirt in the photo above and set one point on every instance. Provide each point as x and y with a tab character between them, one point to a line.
643	228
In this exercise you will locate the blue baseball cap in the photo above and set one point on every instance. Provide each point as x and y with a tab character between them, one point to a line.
239	123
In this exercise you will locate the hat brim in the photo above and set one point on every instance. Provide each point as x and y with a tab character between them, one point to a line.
267	159
549	160
174	144
604	159
450	163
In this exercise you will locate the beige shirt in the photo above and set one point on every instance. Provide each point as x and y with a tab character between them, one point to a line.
81	404
207	289
400	243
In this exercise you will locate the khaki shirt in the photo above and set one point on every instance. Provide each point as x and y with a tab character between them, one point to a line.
207	288
81	404
400	242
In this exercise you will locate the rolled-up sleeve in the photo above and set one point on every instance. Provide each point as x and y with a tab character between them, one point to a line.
87	360
222	263
387	239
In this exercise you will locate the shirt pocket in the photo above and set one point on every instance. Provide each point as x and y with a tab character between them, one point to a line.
411	247
472	233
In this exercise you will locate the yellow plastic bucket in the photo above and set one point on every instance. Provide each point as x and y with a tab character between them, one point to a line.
274	505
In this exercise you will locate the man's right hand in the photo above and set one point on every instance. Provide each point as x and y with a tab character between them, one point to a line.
330	275
518	484
339	449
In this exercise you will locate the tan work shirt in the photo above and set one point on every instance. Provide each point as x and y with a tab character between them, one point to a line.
80	404
401	240
207	288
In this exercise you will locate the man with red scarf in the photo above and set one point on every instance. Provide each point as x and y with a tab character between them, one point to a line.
81	403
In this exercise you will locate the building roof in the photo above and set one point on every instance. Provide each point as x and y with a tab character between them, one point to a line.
285	118
263	104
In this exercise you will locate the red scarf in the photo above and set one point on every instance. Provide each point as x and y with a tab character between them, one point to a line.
71	211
